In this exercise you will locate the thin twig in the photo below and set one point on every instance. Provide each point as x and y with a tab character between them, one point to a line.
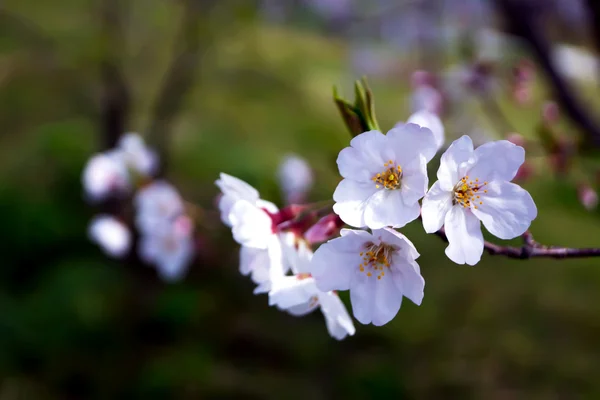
531	249
116	98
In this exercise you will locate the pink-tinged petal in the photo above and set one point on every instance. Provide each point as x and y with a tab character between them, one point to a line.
339	323
465	240
414	181
333	269
390	236
436	204
506	210
498	160
252	227
455	161
387	208
351	197
407	277
427	119
409	141
291	291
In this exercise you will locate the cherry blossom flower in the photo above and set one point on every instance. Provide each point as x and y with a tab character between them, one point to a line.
233	190
251	220
105	174
295	178
378	268
111	235
384	176
170	248
474	186
157	204
136	155
299	295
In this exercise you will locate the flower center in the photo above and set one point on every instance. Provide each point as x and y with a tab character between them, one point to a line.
376	258
466	192
390	178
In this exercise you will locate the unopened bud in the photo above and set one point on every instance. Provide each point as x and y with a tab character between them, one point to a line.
516	138
550	112
295	178
587	197
324	229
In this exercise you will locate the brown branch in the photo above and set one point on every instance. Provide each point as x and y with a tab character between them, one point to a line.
531	249
115	93
523	19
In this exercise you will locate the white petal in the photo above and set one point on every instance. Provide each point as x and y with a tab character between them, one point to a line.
272	270
455	161
436	204
267	205
407	277
387	208
233	189
352	165
499	160
429	120
291	291
252	227
335	262
414	181
409	141
374	300
507	209
373	148
252	259
339	323
350	197
111	235
301	310
406	250
465	240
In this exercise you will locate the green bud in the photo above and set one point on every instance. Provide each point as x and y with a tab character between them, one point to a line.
360	116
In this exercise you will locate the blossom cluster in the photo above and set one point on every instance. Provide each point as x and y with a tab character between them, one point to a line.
384	187
126	174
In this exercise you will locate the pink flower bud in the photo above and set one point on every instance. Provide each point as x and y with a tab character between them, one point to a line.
587	197
516	138
550	112
324	229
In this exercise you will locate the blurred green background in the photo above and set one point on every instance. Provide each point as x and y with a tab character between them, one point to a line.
74	324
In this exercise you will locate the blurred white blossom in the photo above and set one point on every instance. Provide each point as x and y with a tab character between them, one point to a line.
170	248
295	178
157	204
105	174
111	235
136	155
